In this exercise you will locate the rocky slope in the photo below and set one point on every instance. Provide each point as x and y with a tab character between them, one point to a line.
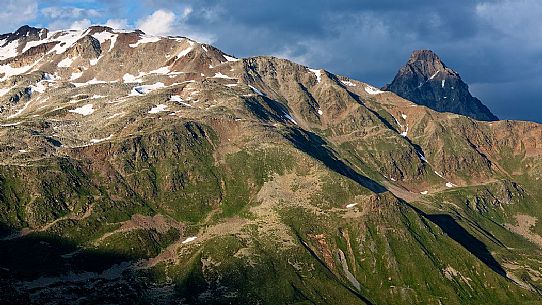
158	170
425	80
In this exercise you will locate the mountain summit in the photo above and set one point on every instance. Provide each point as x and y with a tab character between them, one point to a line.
426	80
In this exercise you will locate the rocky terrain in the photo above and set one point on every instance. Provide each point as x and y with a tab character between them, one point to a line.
158	170
425	80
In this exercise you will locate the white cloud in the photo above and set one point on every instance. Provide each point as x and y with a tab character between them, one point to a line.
80	24
186	12
55	12
514	18
158	23
117	23
15	13
166	22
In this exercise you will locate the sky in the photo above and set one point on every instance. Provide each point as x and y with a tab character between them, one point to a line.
495	45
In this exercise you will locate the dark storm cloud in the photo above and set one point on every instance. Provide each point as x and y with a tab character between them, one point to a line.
493	44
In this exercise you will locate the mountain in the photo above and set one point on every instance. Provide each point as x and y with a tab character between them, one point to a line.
426	81
138	169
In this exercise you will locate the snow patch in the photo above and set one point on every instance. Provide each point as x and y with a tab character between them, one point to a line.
184	52
95	61
65	63
424	192
320	112
351	205
30	44
102	37
289	117
348	83
189	239
10	124
84	111
4	91
404	116
449	184
220	75
159	108
163	70
230	58
65	40
178	99
175	98
144	89
10	50
9	71
438	174
256	90
76	75
443	83
39	87
318	74
129	78
49	77
95	141
405	133
422	157
433	76
144	40
372	90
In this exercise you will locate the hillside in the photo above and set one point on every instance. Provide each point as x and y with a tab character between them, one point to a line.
157	170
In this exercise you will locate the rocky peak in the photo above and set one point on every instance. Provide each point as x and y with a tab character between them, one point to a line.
87	47
426	80
99	29
25	32
428	64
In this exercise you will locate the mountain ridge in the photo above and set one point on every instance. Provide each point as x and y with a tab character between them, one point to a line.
162	170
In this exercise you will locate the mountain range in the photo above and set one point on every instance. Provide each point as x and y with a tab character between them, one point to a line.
139	169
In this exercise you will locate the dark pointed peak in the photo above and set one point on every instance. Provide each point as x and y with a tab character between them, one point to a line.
426	80
424	55
27	30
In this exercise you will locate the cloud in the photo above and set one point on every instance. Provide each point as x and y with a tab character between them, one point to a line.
15	13
158	23
80	24
165	22
117	23
55	12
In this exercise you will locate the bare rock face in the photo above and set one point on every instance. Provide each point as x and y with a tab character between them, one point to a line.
426	80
